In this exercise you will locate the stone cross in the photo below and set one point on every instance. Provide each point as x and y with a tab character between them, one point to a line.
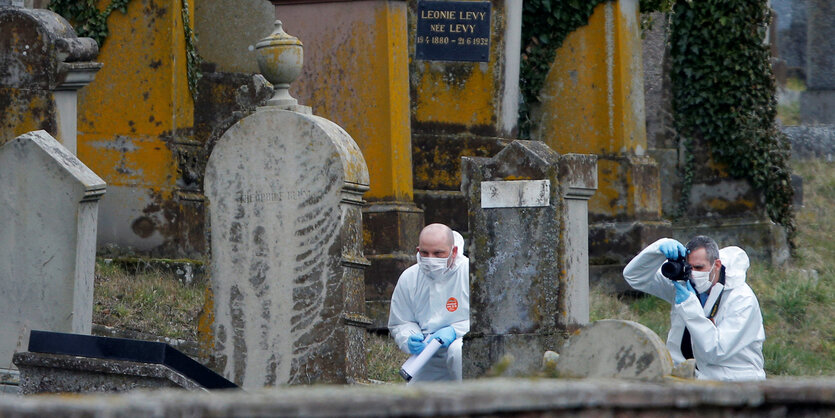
285	196
528	219
47	240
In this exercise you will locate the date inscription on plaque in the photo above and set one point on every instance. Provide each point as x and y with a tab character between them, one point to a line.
453	31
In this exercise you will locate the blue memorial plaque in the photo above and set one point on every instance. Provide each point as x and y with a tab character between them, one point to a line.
453	31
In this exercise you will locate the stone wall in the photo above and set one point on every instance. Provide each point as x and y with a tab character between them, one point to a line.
780	397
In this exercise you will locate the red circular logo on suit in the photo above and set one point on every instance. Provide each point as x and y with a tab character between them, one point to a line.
452	304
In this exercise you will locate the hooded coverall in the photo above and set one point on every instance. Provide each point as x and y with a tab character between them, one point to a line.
421	304
727	348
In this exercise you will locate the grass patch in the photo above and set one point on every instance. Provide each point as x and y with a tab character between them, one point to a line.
152	302
789	114
384	358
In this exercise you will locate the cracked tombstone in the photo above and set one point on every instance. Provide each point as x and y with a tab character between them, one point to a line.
285	196
615	348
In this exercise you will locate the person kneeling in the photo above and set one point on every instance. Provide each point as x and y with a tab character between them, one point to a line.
432	299
715	316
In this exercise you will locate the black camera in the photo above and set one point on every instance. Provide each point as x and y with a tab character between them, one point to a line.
677	269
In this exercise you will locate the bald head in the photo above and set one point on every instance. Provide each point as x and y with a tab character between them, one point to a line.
436	240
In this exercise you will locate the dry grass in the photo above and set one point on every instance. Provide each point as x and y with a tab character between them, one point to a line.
384	358
151	302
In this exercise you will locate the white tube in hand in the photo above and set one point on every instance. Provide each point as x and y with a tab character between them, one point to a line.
416	362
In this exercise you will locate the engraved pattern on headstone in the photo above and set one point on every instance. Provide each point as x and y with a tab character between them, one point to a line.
275	183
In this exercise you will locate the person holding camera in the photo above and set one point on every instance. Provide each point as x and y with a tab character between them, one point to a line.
715	316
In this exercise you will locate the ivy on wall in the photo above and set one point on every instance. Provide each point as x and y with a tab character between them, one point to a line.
723	93
545	24
86	18
723	88
90	22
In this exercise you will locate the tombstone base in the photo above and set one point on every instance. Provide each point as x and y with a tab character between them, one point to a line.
817	107
507	355
391	231
53	373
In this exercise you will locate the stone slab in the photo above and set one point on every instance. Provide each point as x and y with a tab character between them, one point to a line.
615	348
817	107
49	200
820	45
57	373
811	141
515	194
775	397
108	348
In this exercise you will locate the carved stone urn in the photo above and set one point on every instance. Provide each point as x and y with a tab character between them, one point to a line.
280	57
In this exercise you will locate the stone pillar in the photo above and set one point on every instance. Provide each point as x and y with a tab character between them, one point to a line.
817	104
662	143
44	65
47	240
593	103
285	195
529	253
358	76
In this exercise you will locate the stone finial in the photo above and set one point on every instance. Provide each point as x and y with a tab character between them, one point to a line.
280	58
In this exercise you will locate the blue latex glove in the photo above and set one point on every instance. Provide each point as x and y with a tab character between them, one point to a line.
415	343
673	250
446	335
683	291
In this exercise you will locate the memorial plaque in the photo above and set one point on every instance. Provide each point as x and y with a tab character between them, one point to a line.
453	31
515	194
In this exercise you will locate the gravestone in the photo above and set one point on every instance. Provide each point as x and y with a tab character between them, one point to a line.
615	348
528	219
47	240
791	33
817	103
285	197
43	64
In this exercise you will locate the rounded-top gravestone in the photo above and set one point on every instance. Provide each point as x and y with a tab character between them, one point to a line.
285	194
615	348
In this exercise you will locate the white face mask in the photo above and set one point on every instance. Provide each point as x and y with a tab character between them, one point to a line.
701	280
434	267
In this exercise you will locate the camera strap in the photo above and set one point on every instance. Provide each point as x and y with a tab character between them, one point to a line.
715	297
713	300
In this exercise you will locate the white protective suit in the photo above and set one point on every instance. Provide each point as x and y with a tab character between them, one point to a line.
423	305
730	349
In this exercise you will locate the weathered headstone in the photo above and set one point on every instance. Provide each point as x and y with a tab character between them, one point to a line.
42	66
791	33
285	196
615	348
47	240
528	221
817	103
